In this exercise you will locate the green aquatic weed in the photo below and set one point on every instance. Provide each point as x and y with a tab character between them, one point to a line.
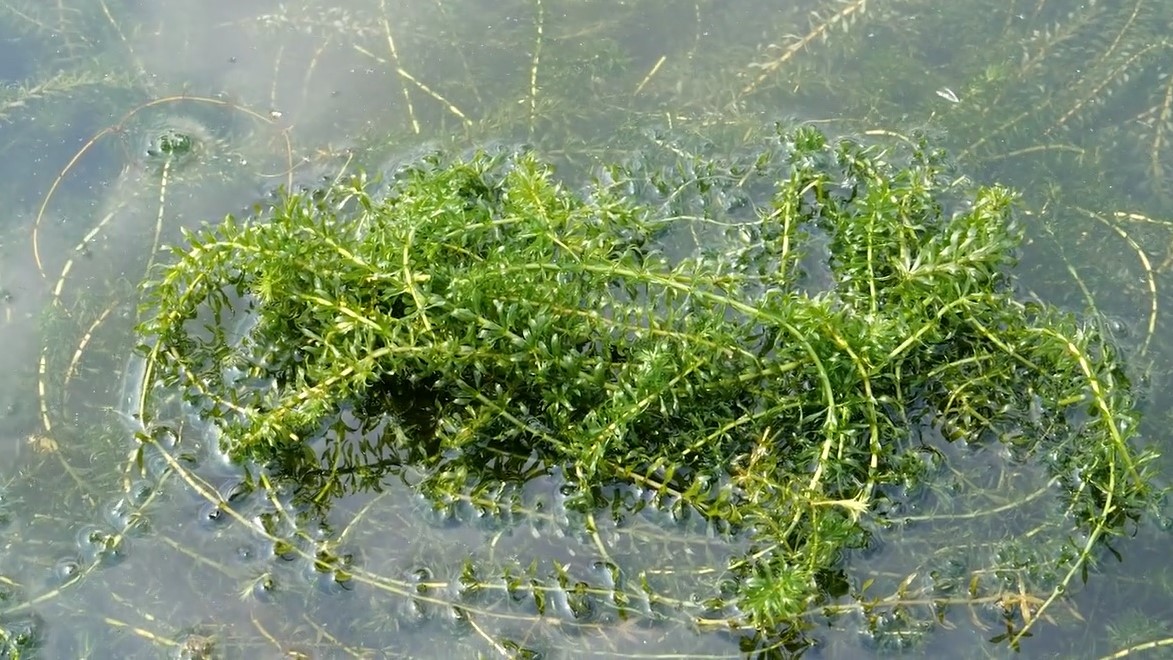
762	339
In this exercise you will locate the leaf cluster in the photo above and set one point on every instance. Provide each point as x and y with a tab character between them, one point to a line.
772	374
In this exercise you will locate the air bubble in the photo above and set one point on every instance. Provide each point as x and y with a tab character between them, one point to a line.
264	587
212	516
97	546
66	569
140	491
118	514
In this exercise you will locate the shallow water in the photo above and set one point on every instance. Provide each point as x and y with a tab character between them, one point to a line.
104	553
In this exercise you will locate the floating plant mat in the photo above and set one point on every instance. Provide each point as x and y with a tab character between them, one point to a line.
532	419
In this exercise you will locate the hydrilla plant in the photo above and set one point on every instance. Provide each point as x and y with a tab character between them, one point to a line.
758	337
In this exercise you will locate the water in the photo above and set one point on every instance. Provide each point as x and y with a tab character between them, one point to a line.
108	553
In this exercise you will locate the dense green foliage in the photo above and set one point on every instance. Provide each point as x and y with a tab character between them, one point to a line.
772	358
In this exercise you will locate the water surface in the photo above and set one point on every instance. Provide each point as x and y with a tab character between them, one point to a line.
103	557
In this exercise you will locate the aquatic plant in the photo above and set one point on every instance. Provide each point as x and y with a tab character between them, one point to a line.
768	340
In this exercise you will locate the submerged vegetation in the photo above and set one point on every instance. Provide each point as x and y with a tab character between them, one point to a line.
665	380
774	358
